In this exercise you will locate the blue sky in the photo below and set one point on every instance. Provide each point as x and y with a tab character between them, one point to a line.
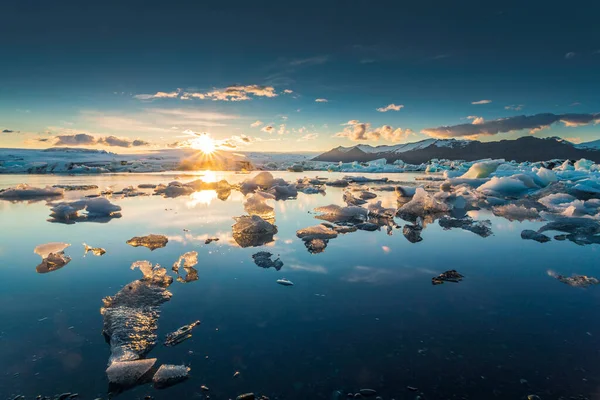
95	70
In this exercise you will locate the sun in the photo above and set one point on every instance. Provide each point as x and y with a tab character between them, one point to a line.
204	143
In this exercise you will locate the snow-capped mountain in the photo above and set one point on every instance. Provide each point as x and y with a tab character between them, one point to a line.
523	149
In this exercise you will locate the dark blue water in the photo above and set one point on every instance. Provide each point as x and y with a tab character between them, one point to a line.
362	314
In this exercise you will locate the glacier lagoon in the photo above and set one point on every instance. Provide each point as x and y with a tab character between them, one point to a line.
362	313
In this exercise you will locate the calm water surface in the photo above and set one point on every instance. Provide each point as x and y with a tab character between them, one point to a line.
362	314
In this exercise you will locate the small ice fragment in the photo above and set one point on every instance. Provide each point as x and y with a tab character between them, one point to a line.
481	228
97	251
448	276
151	241
181	334
252	231
53	256
211	239
168	375
263	260
514	212
575	280
285	282
155	274
423	204
528	234
236	374
129	373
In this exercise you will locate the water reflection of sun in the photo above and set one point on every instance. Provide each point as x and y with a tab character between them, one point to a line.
209	176
203	197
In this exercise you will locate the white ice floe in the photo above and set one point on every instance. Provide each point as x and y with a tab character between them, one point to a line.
482	169
423	204
97	208
336	211
26	192
514	212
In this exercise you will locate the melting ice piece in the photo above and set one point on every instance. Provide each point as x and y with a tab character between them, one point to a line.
98	209
513	212
187	261
168	375
53	256
131	315
263	260
285	282
282	192
26	192
482	169
448	276
504	186
181	334
528	234
412	233
423	204
97	251
317	237
377	210
575	280
252	231
350	200
174	189
481	228
337	183
129	373
335	213
151	241
255	204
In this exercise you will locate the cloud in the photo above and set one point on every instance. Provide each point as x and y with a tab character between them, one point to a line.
158	95
476	120
390	107
7	131
230	93
360	131
281	130
288	91
514	107
533	123
321	100
256	124
570	55
310	61
268	129
308	136
575	140
84	139
481	102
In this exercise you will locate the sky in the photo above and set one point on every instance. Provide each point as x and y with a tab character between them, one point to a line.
295	76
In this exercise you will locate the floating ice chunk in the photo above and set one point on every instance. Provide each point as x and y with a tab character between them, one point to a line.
285	282
336	212
147	186
337	183
575	280
155	274
363	179
586	188
255	204
412	232
565	166
130	319
284	191
70	188
174	189
482	169
53	256
316	246
505	186
350	200
545	176
97	251
151	241
448	276
452	173
181	334
514	212
316	232
26	192
169	375
186	260
263	179
367	226
377	210
422	204
557	202
263	260
528	234
583	165
405	191
366	195
97	209
129	373
448	184
481	228
252	230
211	239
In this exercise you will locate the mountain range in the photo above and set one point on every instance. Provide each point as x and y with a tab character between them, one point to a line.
526	148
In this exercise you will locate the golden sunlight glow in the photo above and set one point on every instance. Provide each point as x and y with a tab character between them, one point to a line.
203	197
204	143
209	176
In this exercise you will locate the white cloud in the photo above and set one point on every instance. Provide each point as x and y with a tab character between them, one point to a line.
230	93
321	100
515	107
308	136
281	130
256	124
268	129
481	102
360	131
476	120
288	91
390	107
158	95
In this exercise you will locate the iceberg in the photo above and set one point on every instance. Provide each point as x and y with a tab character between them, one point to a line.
255	204
187	261
26	192
482	169
422	204
252	231
98	209
504	186
169	375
